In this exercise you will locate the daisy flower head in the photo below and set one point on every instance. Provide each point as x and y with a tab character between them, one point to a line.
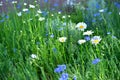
25	4
19	14
95	40
25	10
14	2
31	6
81	41
81	26
33	56
88	32
41	19
62	39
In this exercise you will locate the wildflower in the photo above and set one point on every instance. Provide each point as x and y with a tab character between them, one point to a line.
41	19
60	68
54	50
59	12
95	40
62	39
55	5
81	41
33	56
109	12
63	17
52	35
101	10
96	14
1	3
114	37
45	1
52	15
25	9
64	76
69	16
119	13
95	61
108	32
2	20
117	4
31	6
25	4
81	26
39	11
88	33
37	15
60	29
19	14
74	78
87	38
14	2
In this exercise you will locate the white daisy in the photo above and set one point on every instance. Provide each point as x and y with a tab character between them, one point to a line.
81	41
39	11
25	4
14	2
1	3
95	40
101	10
33	56
62	39
31	6
81	26
88	32
25	9
19	14
41	19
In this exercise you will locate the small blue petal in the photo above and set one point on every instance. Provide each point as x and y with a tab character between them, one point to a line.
95	61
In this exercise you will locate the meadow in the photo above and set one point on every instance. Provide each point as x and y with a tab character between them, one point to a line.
80	42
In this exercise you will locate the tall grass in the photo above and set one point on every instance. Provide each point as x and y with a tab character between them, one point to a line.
22	36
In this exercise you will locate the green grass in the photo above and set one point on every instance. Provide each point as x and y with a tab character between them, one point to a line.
20	37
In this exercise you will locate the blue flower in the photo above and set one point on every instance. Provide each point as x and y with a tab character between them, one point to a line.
18	6
52	35
97	6
109	12
74	78
64	76
55	5
54	50
108	32
60	68
117	4
2	20
95	61
45	1
87	38
96	14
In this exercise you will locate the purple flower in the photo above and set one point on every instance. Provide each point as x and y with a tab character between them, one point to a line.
87	38
64	76
95	61
60	68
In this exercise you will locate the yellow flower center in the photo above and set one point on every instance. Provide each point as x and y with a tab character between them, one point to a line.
81	27
96	41
62	40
